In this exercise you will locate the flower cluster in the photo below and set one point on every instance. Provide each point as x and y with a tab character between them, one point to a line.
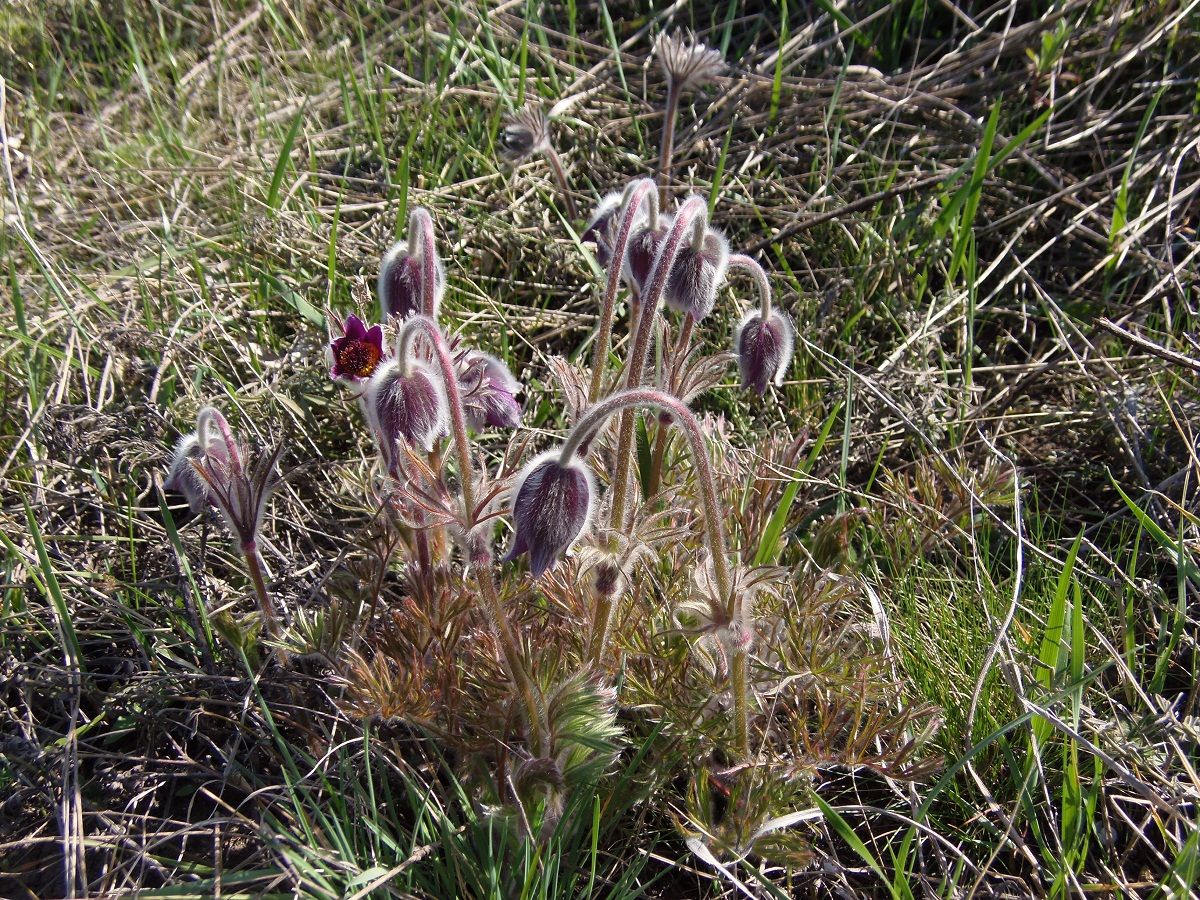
587	519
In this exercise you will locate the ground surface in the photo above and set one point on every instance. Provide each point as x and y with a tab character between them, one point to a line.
981	216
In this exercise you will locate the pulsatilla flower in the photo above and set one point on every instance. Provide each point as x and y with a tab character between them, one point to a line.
357	353
644	245
209	467
404	399
488	391
407	267
698	273
764	349
526	132
600	230
552	505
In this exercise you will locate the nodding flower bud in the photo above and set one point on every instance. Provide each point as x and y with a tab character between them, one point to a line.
402	272
697	275
488	391
355	355
182	478
764	349
552	505
601	229
408	405
643	247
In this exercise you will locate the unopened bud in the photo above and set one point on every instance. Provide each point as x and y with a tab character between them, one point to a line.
764	349
409	406
552	505
697	275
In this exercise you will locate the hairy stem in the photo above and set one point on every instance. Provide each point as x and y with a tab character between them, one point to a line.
254	566
635	366
420	220
634	196
761	281
560	176
682	348
667	148
483	574
625	400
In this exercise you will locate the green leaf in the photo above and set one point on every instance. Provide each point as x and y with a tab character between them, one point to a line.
285	155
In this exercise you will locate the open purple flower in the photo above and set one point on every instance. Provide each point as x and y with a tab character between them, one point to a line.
552	505
409	405
697	275
488	391
764	349
357	353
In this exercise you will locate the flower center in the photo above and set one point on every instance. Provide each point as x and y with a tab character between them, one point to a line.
357	358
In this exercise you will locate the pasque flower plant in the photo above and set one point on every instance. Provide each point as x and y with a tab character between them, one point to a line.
211	468
523	647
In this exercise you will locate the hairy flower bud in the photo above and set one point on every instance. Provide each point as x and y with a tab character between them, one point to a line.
401	282
602	227
643	247
697	275
355	355
410	406
182	478
488	392
764	349
552	505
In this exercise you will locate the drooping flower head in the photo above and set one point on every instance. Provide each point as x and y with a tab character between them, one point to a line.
552	506
602	226
764	349
644	245
405	400
406	268
209	468
356	354
686	62
488	390
698	273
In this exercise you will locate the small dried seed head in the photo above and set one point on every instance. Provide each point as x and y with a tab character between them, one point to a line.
410	406
687	63
697	275
552	506
764	349
526	132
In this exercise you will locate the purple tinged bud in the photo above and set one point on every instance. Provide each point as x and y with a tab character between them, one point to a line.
643	247
552	506
764	349
488	392
697	275
601	230
182	478
401	279
412	407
